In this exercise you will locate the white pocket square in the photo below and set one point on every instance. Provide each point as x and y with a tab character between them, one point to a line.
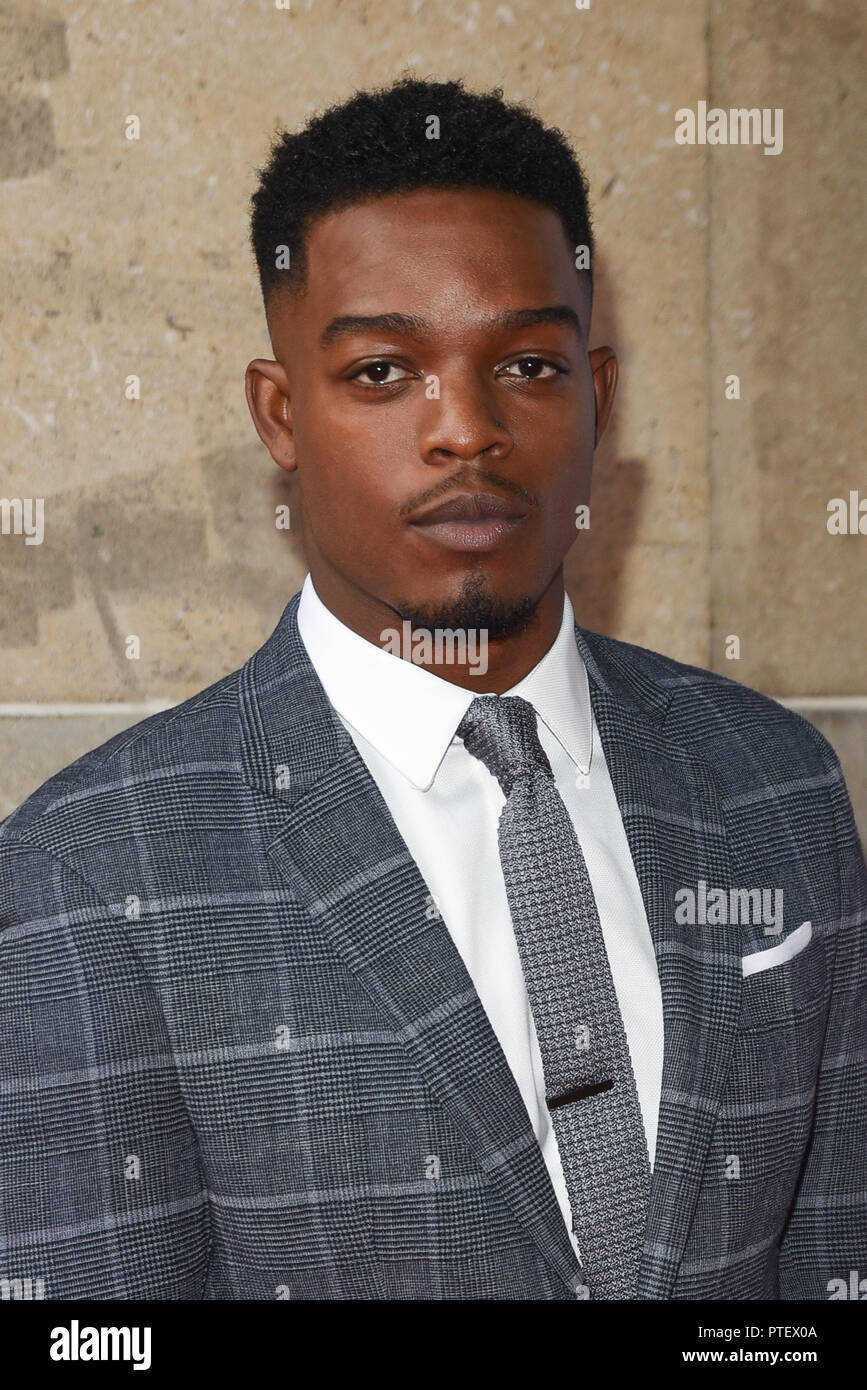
776	955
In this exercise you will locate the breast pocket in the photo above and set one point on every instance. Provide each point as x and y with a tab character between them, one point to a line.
792	990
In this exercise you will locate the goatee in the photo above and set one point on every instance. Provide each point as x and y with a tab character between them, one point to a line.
476	609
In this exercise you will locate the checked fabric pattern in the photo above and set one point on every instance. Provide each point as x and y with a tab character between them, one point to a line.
282	1035
582	1041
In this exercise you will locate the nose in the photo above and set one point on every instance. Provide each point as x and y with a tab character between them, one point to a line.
462	422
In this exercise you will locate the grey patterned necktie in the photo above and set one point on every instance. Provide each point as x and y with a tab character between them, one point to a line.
589	1080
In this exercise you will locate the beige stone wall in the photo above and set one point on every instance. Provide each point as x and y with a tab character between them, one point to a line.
122	257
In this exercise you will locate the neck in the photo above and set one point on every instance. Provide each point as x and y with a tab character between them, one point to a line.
462	653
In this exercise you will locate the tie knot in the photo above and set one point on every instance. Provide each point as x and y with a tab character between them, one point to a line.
500	730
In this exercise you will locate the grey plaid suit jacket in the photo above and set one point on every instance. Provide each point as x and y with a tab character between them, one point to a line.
241	1058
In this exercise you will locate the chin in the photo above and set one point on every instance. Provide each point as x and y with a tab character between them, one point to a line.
470	602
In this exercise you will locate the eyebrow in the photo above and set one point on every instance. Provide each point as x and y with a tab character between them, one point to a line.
412	326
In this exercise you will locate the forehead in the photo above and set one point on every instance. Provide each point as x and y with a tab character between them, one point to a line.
439	251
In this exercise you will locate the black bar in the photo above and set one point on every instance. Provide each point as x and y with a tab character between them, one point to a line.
581	1093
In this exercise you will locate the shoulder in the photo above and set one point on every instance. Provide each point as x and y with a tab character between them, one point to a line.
748	738
159	752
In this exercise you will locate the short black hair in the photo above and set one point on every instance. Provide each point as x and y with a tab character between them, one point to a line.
376	143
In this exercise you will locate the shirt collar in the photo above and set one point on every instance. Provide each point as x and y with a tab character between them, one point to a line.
410	716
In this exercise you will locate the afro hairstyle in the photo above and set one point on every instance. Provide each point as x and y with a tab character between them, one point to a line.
376	143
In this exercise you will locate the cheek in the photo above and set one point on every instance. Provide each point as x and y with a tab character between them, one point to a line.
558	438
336	436
349	485
568	488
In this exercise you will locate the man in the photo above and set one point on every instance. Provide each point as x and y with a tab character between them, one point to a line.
532	968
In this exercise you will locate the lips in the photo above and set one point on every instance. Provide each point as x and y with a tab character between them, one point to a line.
472	507
471	521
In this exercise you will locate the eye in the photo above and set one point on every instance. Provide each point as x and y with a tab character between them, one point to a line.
379	371
534	365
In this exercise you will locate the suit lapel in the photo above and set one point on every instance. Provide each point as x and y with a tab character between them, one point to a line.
336	842
674	824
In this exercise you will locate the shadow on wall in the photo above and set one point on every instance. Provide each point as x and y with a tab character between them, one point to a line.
152	534
33	50
595	565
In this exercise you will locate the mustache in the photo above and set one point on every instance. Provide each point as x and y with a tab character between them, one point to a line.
446	486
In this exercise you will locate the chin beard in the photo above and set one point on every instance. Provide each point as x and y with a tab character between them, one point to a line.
476	608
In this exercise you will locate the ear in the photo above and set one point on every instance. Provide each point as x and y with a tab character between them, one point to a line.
267	389
603	365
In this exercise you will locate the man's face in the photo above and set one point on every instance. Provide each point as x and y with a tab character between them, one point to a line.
390	419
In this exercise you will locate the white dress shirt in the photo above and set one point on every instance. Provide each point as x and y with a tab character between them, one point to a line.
446	805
